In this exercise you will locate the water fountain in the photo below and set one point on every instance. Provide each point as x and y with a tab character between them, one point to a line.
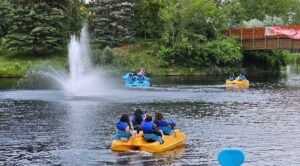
83	79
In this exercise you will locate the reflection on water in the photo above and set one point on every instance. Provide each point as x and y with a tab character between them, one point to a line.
45	127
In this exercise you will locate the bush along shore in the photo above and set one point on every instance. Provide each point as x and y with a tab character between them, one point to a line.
131	57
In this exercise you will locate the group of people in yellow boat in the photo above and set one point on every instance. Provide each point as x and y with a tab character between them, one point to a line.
152	130
241	77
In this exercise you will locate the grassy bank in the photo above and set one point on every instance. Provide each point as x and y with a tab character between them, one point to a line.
12	65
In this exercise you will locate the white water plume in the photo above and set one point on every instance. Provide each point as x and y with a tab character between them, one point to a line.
83	78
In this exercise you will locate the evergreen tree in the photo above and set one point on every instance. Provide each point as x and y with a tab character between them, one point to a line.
5	8
36	29
41	27
112	21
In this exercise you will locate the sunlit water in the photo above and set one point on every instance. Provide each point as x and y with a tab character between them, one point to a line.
48	127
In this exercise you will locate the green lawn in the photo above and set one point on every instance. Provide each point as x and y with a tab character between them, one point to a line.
17	66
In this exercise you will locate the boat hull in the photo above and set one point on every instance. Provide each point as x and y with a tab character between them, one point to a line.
139	143
132	80
244	83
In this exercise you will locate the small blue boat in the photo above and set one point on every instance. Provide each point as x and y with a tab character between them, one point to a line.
132	80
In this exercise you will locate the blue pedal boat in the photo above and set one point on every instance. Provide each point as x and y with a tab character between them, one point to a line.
131	80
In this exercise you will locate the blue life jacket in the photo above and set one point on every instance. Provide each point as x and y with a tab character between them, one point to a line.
140	78
242	77
147	127
122	126
231	78
162	123
164	126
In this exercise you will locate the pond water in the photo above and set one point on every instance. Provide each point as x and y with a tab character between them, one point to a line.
47	127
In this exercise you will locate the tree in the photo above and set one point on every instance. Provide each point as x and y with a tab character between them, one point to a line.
194	21
40	27
279	8
147	22
5	8
36	29
234	14
112	21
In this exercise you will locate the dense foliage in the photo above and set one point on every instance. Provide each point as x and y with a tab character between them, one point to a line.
38	27
266	59
222	52
287	9
112	21
186	33
147	22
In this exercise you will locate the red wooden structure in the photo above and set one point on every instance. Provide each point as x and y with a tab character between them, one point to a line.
255	39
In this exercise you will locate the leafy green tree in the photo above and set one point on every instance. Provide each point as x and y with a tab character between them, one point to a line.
147	22
112	21
223	52
194	21
234	14
279	8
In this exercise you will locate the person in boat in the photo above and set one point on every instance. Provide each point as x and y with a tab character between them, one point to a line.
150	130
137	118
241	77
166	126
140	78
142	71
131	76
231	77
124	128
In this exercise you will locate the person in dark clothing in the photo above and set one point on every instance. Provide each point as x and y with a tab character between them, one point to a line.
137	118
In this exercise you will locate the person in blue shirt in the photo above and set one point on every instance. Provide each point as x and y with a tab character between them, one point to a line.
124	128
150	131
166	126
231	77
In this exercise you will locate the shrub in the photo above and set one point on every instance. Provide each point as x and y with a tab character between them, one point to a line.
269	59
220	52
105	56
224	52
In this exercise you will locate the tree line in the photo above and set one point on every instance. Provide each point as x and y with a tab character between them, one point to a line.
186	32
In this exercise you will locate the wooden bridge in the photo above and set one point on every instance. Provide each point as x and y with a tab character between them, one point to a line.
256	39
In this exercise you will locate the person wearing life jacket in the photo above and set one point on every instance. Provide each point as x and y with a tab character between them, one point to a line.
165	126
124	128
140	78
130	76
137	118
150	131
231	77
241	77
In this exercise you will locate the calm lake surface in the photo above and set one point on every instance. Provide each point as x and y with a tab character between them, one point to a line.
40	126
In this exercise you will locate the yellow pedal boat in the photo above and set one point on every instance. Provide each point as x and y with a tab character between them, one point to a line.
139	143
244	83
